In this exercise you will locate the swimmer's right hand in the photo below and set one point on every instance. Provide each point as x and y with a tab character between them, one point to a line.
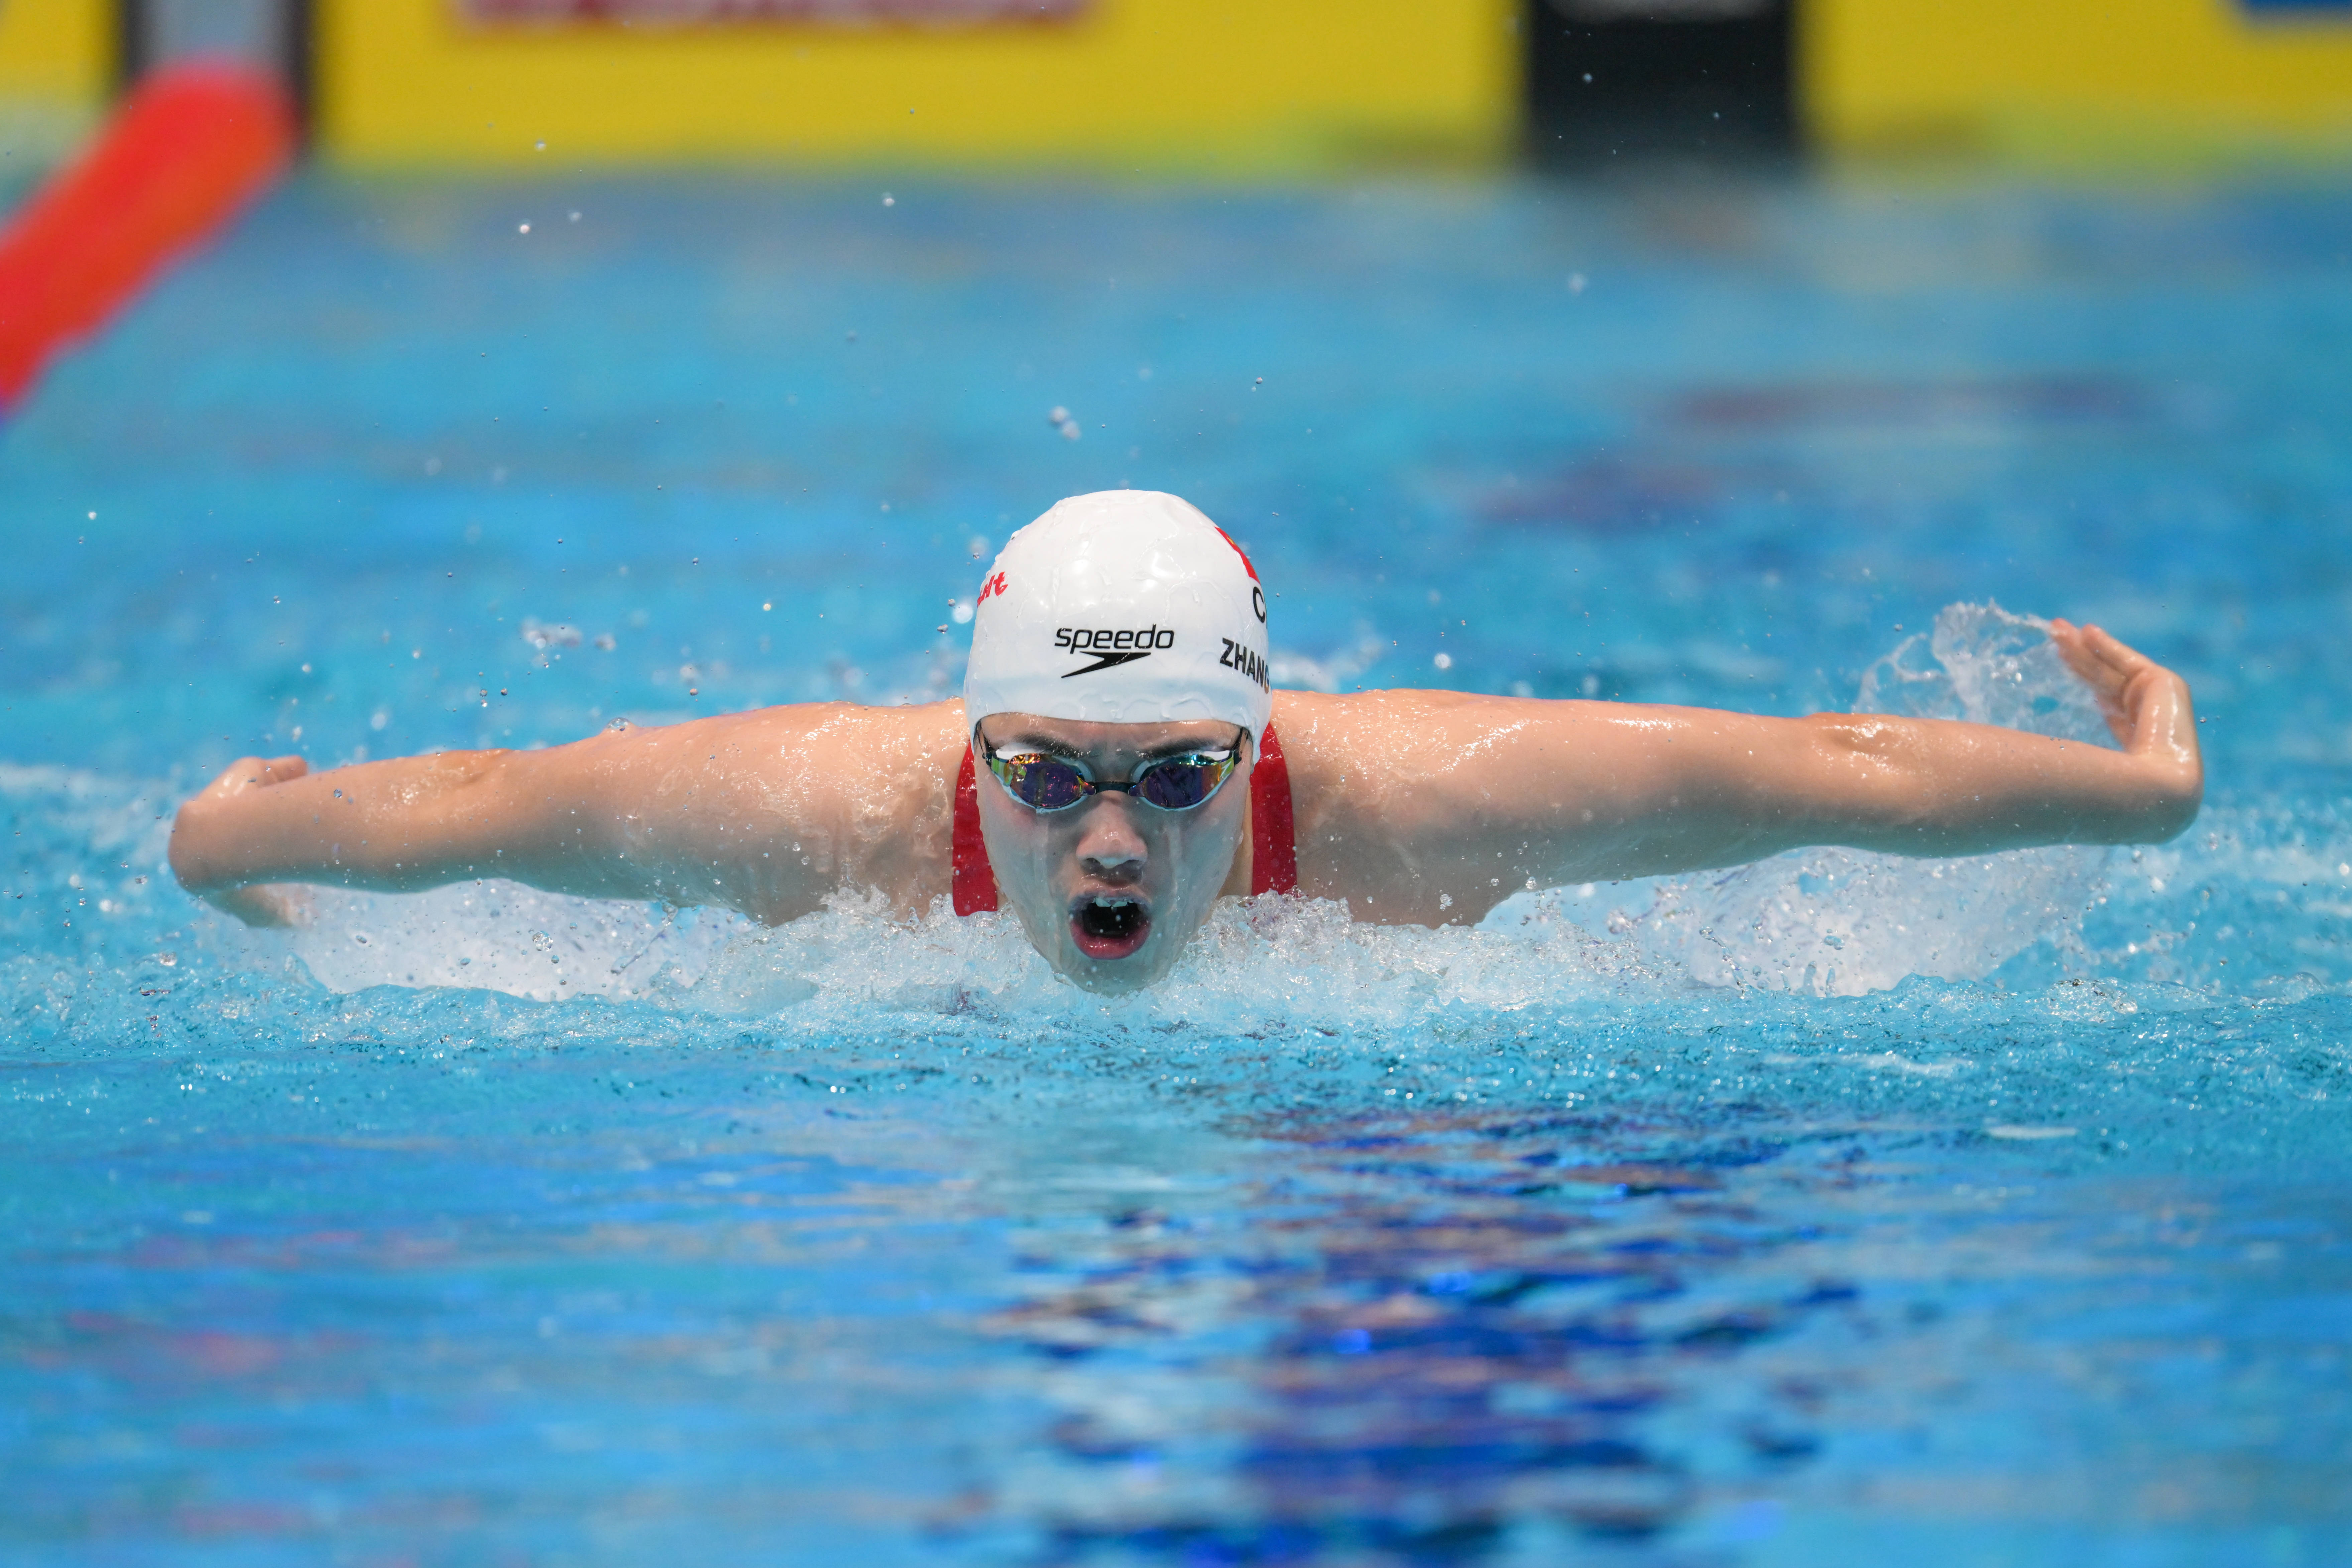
205	838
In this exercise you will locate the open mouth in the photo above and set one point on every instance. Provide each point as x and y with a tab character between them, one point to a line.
1110	925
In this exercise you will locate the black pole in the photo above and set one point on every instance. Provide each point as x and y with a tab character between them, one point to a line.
131	40
141	41
301	65
1687	80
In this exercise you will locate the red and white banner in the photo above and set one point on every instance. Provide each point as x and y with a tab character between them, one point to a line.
687	13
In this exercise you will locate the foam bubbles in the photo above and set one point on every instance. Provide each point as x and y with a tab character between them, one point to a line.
1266	962
1841	922
495	935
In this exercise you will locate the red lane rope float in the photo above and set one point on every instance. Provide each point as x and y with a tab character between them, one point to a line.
190	146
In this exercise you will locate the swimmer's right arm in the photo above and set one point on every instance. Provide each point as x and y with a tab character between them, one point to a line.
768	811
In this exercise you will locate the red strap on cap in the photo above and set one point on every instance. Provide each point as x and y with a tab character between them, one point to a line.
1274	839
1274	843
974	881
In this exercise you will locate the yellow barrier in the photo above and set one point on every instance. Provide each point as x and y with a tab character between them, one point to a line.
2159	82
57	64
1235	86
1214	85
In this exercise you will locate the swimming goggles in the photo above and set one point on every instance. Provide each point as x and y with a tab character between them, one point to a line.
1044	783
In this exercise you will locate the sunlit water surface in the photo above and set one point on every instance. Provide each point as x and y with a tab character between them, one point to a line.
1832	1211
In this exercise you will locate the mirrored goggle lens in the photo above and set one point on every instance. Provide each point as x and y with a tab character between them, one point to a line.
1044	783
1182	782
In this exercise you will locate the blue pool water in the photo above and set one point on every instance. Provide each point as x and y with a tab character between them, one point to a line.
1832	1212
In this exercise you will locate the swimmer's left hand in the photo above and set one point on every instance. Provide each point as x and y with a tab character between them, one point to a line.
216	807
2147	708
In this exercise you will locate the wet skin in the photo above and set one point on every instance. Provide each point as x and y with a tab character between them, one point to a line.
1412	807
1063	874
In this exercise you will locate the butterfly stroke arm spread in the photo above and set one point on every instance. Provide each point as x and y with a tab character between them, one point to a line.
1419	808
766	812
1427	807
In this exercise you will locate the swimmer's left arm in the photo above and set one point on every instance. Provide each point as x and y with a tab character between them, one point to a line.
1433	807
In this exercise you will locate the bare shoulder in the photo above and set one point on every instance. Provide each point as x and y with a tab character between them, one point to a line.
1428	735
1362	740
908	732
1394	779
816	738
797	800
847	771
1429	806
1308	714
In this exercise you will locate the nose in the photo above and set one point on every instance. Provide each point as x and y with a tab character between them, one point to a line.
1109	845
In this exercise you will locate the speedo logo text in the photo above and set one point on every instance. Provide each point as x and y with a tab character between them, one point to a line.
1111	648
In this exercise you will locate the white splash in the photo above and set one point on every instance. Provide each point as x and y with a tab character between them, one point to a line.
1272	962
496	935
1841	922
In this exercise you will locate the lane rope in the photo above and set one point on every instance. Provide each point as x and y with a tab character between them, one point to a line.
190	146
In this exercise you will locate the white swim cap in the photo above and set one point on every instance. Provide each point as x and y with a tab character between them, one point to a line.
1120	607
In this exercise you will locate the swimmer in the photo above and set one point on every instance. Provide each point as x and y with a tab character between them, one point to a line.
1119	761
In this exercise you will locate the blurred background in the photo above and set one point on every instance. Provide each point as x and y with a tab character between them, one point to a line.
1216	88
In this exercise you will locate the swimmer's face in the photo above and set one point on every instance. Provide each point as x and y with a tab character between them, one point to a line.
1110	889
